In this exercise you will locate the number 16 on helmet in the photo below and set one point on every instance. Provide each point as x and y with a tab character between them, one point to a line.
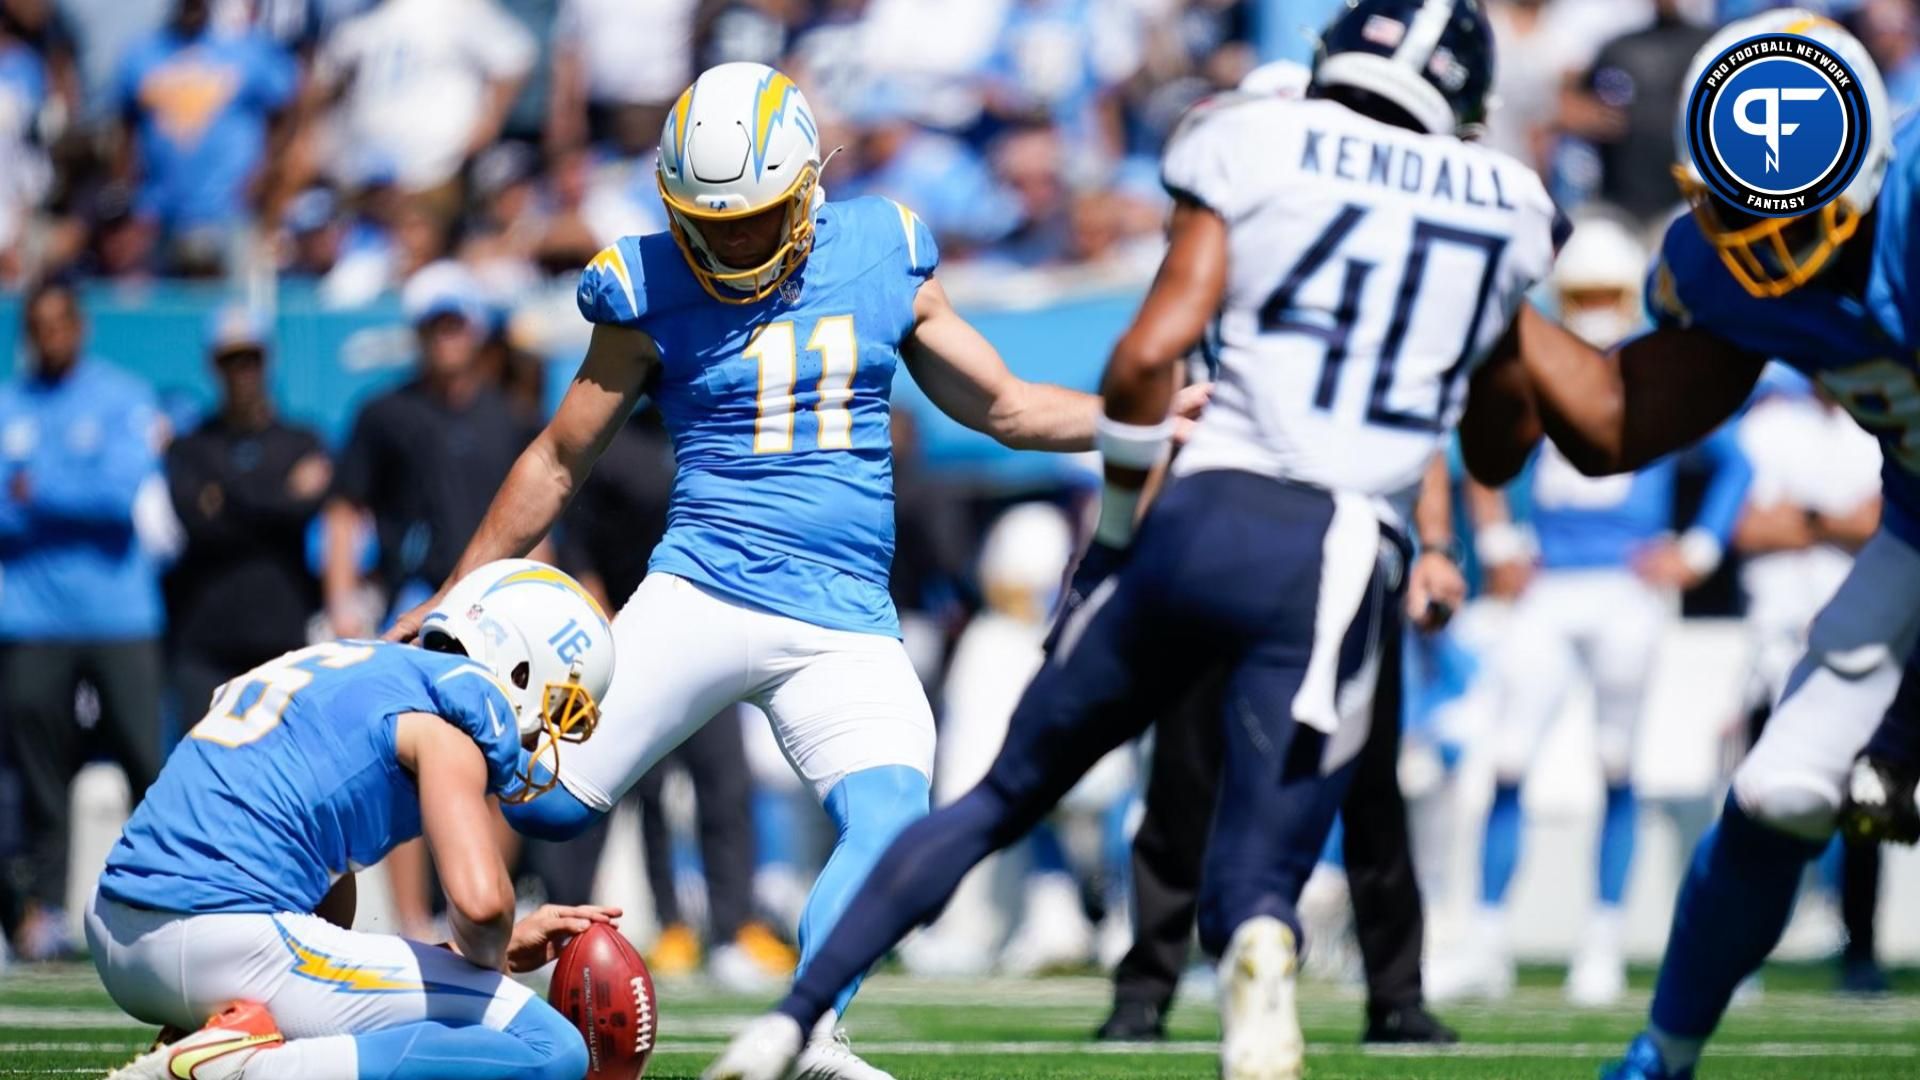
543	637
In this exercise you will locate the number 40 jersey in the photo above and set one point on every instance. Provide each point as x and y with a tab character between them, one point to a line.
1370	269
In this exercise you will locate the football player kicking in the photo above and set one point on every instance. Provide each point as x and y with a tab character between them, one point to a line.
1828	293
1356	266
229	892
767	327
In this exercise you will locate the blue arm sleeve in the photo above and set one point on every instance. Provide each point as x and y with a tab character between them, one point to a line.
1727	491
101	490
554	815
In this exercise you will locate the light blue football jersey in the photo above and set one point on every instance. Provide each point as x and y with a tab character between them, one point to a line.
780	412
1602	522
291	779
1864	350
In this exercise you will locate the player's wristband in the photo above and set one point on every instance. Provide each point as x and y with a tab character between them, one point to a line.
1131	446
1503	542
1118	508
1450	549
1701	551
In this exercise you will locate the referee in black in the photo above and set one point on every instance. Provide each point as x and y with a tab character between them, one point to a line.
1171	844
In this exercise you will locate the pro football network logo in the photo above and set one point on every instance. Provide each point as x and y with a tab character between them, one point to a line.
1777	125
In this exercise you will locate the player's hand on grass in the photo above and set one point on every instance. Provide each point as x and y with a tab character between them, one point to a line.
538	938
1188	403
1435	590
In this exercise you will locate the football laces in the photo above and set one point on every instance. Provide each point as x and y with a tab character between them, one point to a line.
643	1017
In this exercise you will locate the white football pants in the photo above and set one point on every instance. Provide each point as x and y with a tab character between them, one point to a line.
1604	624
840	701
1794	777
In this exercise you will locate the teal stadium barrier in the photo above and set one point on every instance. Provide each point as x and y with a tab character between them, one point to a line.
329	360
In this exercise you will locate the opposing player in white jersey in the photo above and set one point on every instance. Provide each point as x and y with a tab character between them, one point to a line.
1354	265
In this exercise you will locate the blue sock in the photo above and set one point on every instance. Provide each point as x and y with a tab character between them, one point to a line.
1500	852
1043	846
1116	851
1732	909
539	1044
1617	827
908	887
1334	851
868	808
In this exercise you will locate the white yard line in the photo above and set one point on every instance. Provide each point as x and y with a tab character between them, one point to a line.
1052	1048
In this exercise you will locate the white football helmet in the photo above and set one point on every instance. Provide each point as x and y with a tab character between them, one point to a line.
1023	561
1754	250
1598	280
547	643
740	140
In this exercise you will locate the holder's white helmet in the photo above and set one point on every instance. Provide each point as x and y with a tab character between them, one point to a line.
544	639
1755	250
1023	560
739	141
1598	280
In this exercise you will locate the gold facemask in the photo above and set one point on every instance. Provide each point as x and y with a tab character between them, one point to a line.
1758	255
742	286
568	713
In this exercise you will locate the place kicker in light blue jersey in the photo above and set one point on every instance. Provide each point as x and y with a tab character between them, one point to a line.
779	412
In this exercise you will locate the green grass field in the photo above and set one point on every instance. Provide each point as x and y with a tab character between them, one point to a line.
57	1022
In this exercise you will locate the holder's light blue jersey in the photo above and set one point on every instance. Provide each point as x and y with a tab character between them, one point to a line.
779	412
1864	351
291	778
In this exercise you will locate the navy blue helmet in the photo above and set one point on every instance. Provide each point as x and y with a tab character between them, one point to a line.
1431	59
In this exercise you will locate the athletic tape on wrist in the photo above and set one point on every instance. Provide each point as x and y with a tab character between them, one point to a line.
1132	446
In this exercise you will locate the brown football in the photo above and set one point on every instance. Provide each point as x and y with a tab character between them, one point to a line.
602	986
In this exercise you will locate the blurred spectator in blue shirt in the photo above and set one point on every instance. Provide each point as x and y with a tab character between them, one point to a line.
1060	60
79	597
938	176
201	104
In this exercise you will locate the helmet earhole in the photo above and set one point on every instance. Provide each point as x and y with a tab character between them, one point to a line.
521	672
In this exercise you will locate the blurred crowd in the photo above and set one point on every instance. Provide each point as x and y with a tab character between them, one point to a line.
354	141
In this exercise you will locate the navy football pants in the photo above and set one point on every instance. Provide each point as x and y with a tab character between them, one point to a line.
1292	588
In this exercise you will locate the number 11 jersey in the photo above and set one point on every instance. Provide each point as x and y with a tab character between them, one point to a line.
780	412
1370	269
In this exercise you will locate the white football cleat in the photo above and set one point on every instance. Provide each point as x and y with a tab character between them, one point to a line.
1598	975
829	1056
764	1050
1481	968
1259	1023
1596	981
1054	933
738	972
218	1051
